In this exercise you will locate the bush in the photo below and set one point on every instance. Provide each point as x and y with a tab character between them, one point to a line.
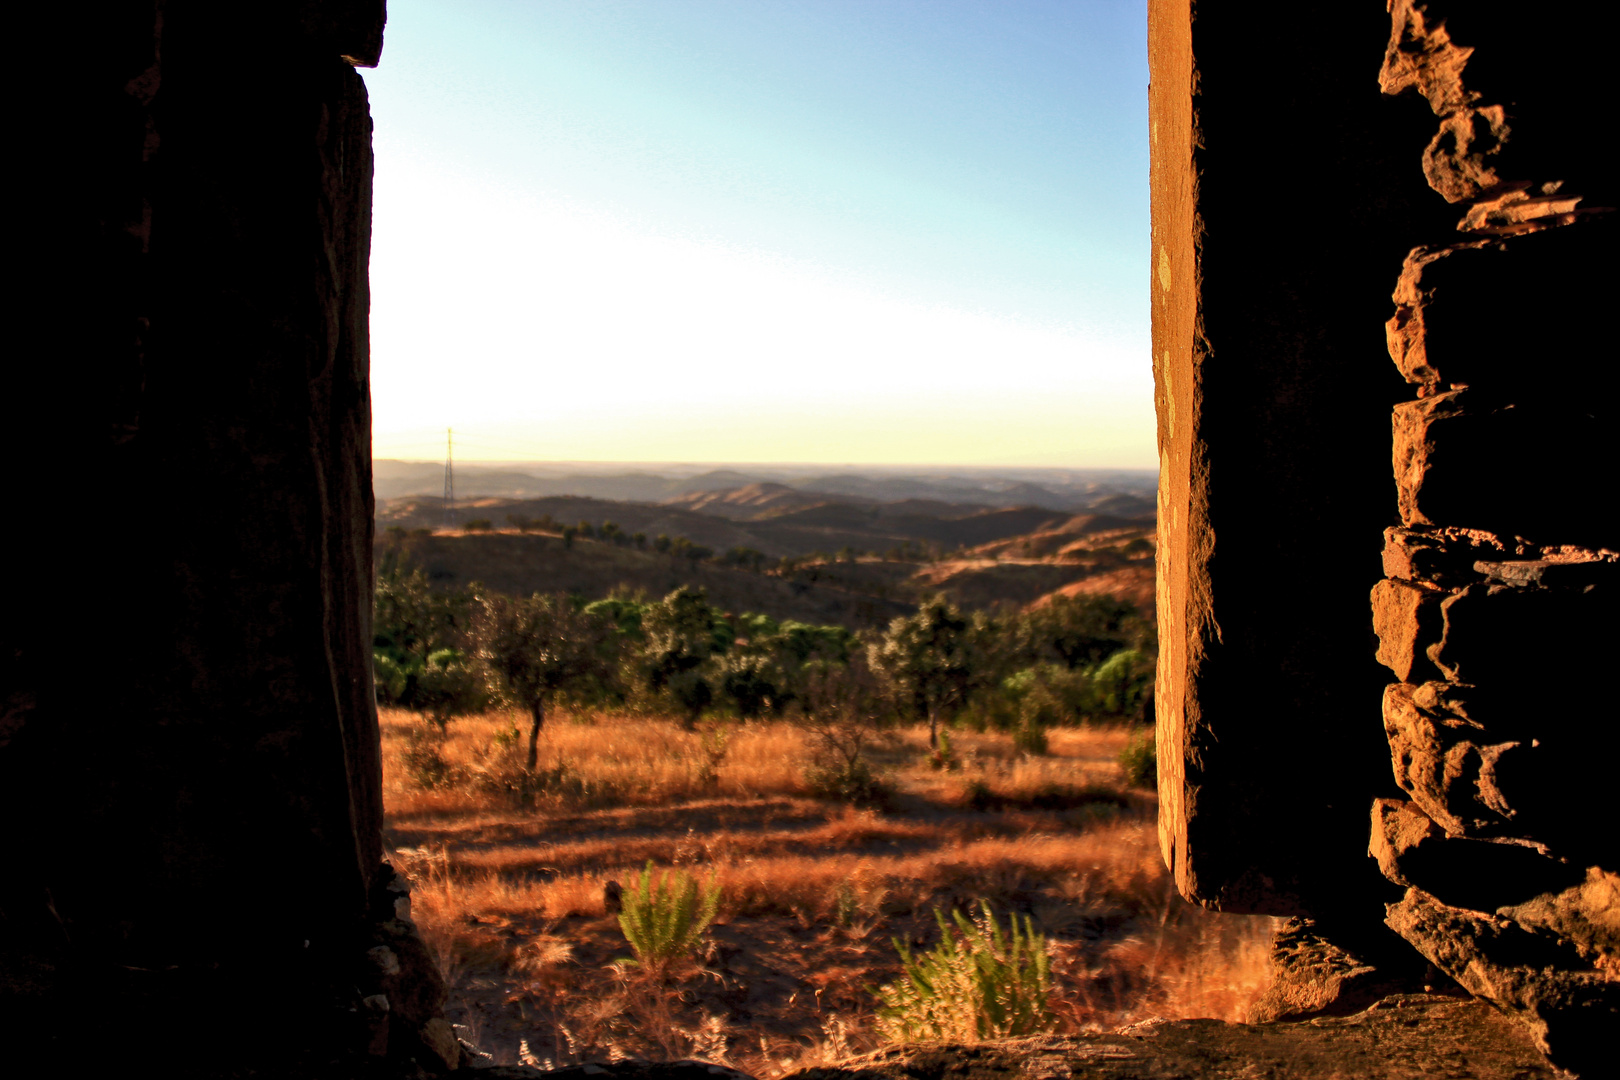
977	984
1030	736
479	525
1140	760
664	920
850	780
424	758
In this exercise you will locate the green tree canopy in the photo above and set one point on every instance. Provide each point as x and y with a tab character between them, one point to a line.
928	659
538	647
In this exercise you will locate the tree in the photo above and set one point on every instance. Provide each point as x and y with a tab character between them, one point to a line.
410	624
928	659
841	706
448	685
682	632
1078	631
753	684
538	647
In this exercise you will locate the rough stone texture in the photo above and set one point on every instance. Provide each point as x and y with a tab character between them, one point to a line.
188	729
1406	618
1321	968
1571	1006
1502	468
1448	764
1504	463
1480	874
1488	306
1400	1038
609	1070
1284	199
1515	109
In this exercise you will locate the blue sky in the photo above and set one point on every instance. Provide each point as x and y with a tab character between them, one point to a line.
714	230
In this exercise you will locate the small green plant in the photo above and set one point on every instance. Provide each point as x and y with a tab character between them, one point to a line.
978	983
1140	760
943	757
846	905
664	919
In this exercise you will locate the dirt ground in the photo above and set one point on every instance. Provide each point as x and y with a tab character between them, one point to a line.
813	892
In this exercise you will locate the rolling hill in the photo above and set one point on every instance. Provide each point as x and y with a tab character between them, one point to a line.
983	558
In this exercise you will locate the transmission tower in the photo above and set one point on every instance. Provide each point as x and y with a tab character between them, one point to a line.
449	481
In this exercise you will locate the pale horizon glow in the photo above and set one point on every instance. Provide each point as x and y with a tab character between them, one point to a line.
544	321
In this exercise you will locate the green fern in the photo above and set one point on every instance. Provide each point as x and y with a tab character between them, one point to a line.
665	919
977	984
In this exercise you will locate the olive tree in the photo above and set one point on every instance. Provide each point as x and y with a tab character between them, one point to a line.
928	659
538	647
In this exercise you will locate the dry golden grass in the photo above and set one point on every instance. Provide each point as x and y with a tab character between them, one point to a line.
813	892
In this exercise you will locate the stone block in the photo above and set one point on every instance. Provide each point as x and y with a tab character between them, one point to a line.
1328	969
1402	1037
1442	556
1478	874
1571	1007
1533	651
1406	618
1472	313
1587	915
1448	765
1515	111
1483	461
1544	777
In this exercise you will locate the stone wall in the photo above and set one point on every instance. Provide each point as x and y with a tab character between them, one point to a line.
189	761
1283	203
1498	613
1289	197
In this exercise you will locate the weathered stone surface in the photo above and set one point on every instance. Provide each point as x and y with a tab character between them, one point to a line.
1327	969
1515	108
1500	779
1399	1038
1477	312
1406	618
1444	557
1447	763
1587	915
1480	874
1267	406
1571	1007
1493	635
1478	460
204	800
608	1070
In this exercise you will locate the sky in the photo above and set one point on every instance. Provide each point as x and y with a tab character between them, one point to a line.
840	231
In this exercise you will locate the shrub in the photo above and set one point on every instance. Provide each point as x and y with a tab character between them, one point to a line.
1030	737
850	780
977	984
1140	760
664	919
424	758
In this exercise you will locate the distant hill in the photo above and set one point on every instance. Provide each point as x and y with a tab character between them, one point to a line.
1051	489
748	502
761	517
992	558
